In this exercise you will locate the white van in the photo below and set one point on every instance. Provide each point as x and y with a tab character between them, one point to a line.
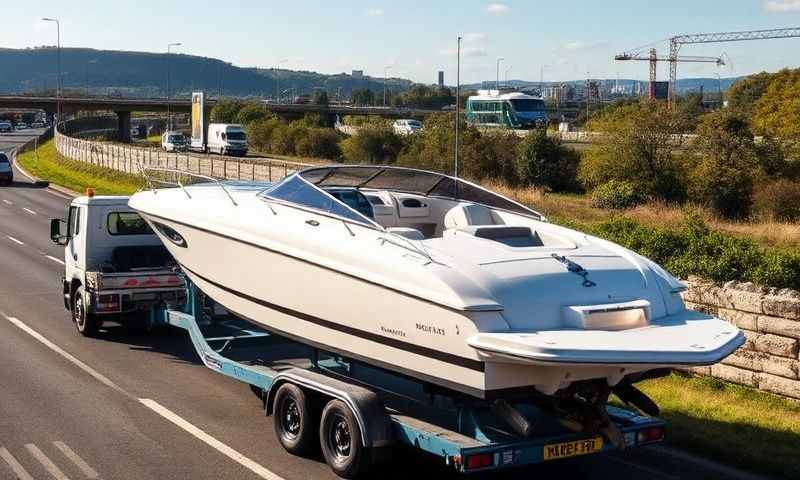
227	139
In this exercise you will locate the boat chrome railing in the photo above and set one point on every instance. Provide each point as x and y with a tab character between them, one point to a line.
177	183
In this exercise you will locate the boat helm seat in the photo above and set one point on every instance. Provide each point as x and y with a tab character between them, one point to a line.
409	233
469	214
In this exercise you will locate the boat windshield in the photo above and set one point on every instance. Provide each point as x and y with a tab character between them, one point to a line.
297	191
409	180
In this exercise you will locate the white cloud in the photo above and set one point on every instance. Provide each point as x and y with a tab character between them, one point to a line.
497	8
474	37
579	45
780	6
465	52
375	12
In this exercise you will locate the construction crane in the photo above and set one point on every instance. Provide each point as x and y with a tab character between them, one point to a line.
653	58
677	41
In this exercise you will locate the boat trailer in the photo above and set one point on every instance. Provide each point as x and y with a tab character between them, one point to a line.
365	411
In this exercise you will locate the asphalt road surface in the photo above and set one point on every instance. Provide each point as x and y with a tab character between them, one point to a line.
137	406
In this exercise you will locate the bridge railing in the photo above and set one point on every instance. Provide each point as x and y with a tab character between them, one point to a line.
132	159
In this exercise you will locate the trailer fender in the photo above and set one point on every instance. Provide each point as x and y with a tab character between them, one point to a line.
376	428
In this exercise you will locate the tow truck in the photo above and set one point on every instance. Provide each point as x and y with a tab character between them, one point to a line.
354	413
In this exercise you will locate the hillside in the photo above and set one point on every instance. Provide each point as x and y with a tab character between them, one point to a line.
145	74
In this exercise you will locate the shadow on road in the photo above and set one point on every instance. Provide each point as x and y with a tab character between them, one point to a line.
29	185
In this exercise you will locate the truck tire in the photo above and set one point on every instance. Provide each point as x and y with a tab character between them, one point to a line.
340	438
293	420
87	323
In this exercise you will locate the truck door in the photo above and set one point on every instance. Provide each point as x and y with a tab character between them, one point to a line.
74	250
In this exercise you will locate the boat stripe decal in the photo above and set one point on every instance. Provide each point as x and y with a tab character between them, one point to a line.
392	342
355	277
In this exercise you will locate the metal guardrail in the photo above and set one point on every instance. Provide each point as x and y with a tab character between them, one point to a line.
178	183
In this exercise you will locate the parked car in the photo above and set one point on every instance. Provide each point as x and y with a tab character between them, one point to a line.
6	127
407	127
21	126
172	141
37	125
227	139
6	172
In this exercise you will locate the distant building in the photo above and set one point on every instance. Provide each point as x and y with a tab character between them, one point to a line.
441	79
357	74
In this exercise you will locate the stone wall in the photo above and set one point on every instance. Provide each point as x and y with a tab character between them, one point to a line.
770	319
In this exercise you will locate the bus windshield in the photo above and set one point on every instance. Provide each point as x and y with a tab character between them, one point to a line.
527	105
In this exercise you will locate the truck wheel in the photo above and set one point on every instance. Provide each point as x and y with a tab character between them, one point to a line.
294	424
87	324
340	437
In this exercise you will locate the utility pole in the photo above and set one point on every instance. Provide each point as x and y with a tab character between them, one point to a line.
87	74
58	80
169	107
497	79
458	106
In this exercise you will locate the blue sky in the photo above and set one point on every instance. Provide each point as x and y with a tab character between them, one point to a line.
416	38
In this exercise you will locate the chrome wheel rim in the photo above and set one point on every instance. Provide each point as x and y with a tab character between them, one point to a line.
340	438
290	418
78	314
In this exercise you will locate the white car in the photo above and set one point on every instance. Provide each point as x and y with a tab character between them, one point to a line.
37	125
21	126
172	141
407	127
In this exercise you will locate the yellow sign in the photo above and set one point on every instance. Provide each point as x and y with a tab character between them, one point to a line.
198	122
573	449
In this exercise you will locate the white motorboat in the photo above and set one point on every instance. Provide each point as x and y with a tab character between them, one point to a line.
434	278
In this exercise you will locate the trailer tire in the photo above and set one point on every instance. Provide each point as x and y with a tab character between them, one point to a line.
87	323
293	420
340	438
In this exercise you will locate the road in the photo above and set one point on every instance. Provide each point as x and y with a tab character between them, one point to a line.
133	406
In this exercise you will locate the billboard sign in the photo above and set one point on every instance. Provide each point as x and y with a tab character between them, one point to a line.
198	121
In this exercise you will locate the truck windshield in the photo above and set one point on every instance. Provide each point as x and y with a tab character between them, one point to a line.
176	139
127	223
527	105
236	135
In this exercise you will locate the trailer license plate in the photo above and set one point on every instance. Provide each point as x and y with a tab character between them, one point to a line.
573	449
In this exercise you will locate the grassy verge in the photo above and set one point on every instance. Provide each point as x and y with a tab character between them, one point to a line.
735	425
49	165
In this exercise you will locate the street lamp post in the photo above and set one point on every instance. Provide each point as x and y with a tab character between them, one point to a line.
58	79
385	73
458	113
169	107
508	70
497	80
277	81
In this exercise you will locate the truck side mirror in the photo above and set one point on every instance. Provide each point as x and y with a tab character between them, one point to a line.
55	232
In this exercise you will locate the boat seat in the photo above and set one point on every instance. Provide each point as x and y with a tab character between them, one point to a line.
469	214
409	233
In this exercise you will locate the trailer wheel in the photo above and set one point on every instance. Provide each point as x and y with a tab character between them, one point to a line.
340	437
293	421
87	324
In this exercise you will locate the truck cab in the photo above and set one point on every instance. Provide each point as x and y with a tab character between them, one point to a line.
114	265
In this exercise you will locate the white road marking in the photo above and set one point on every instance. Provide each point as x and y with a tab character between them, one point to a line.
57	260
77	460
46	462
229	452
8	202
251	465
52	346
29	211
12	462
19	242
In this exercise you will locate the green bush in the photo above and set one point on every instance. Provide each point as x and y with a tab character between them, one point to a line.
779	200
259	133
285	137
372	145
617	195
252	112
492	154
226	111
543	162
698	250
319	143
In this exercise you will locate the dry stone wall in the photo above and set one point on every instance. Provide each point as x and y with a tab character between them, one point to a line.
770	320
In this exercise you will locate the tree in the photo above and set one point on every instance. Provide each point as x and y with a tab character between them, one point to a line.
727	162
251	112
320	97
777	112
744	93
543	162
637	146
226	111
